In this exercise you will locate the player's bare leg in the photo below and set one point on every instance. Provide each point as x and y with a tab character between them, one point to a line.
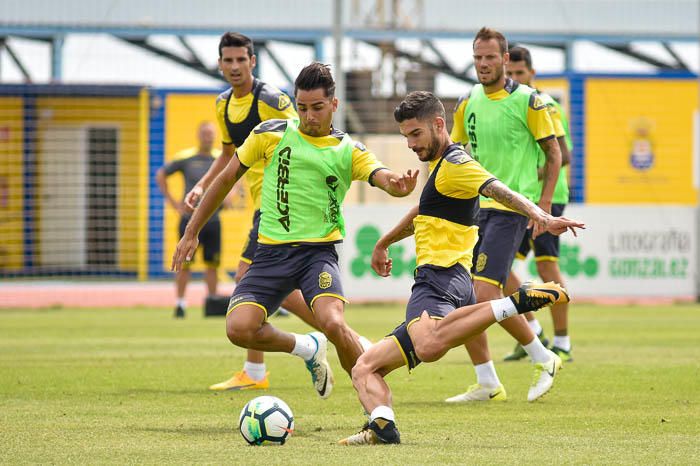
375	395
488	386
330	315
182	278
211	278
295	304
549	271
513	283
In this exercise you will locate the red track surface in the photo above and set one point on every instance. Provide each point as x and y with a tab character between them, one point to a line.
117	294
41	294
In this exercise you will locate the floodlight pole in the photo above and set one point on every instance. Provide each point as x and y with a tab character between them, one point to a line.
339	118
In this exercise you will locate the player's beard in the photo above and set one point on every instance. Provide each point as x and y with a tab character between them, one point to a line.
497	73
432	151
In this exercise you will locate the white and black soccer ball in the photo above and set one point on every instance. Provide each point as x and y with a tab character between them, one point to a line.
266	420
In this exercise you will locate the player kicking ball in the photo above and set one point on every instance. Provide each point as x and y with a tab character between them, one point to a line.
441	313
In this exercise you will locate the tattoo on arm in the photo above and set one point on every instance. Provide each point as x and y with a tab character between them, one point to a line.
501	193
402	230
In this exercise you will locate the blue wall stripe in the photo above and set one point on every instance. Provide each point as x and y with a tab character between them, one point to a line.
156	147
30	193
577	114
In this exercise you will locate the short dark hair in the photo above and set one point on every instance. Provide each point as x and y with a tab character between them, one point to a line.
421	105
488	34
518	53
236	39
314	76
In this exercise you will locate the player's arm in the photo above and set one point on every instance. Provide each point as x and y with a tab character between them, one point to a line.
540	125
381	263
560	133
395	184
162	182
540	220
366	167
194	196
211	201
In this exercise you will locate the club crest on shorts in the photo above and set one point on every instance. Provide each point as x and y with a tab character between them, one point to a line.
325	280
481	262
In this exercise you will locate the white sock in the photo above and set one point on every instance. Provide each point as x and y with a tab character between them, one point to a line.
562	342
182	302
536	350
503	308
384	412
535	326
486	375
255	371
305	347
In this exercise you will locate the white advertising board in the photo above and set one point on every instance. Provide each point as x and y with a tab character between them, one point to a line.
625	252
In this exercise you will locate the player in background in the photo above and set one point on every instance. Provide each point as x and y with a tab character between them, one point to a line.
546	246
506	124
192	163
309	166
441	313
239	109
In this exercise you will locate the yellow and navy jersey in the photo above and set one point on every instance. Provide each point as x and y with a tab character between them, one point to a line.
446	228
192	163
237	116
260	145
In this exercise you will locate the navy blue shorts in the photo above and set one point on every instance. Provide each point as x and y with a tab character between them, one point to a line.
438	291
279	269
546	245
500	235
251	244
209	240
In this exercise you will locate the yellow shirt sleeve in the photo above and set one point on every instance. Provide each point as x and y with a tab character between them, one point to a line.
257	147
364	163
538	120
556	121
220	112
461	180
270	113
458	133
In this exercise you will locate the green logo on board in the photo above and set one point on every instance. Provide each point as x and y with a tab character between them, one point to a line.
365	239
571	264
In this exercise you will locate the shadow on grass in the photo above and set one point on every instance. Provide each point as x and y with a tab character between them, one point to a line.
161	391
201	430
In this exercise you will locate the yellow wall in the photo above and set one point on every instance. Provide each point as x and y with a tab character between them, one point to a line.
120	112
183	114
646	113
11	183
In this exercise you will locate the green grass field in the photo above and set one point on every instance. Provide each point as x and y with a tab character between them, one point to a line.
129	386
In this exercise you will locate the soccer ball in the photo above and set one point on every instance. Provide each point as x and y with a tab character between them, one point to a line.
266	420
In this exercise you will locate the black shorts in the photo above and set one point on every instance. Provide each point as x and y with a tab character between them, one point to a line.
546	245
438	291
500	235
280	269
251	244
209	239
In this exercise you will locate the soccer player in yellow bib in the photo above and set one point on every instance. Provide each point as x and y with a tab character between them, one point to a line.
546	247
507	127
239	109
441	313
309	167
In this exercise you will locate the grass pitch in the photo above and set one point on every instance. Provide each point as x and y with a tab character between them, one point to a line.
130	387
